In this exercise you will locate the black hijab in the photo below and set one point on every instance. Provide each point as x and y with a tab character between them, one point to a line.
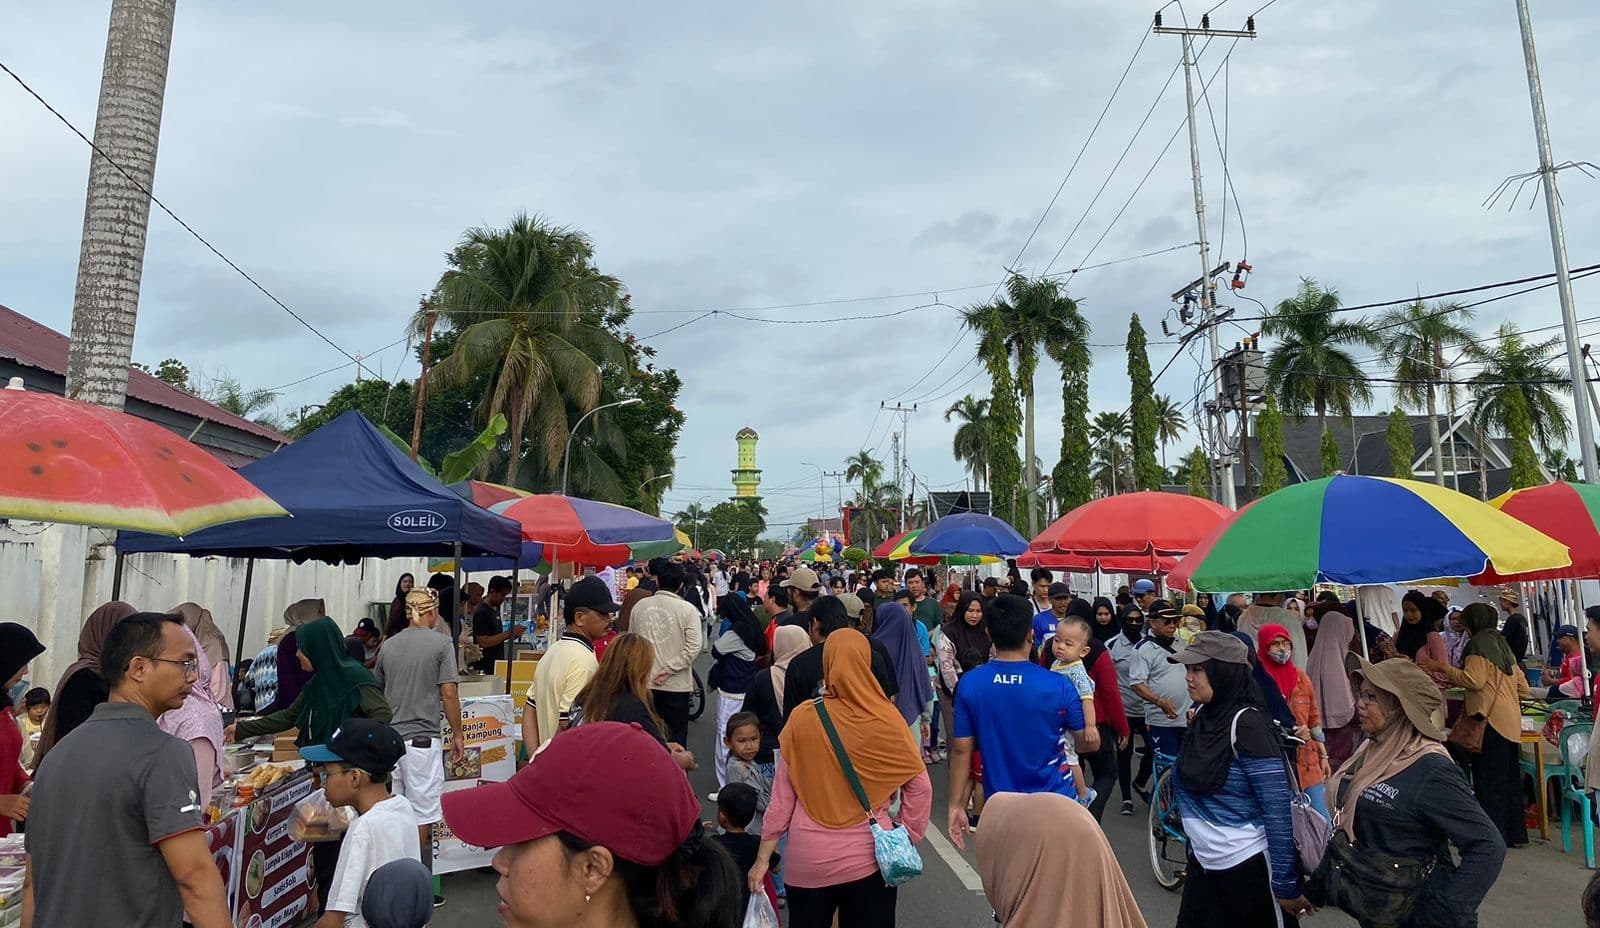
742	622
18	647
1212	618
970	643
1103	633
1228	618
1209	747
1122	623
1412	638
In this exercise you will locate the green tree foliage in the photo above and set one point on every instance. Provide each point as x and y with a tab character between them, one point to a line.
1071	481
1269	433
853	556
1413	340
971	442
1143	423
1005	414
1196	473
732	526
1310	368
1519	432
259	406
1170	424
1401	448
172	372
1108	436
1514	367
1330	454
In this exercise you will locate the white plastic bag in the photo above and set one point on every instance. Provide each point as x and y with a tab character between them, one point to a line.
759	913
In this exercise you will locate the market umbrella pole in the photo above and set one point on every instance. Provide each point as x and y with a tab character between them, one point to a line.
116	581
244	607
511	643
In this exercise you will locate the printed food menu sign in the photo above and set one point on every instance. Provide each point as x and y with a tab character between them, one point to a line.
274	880
490	732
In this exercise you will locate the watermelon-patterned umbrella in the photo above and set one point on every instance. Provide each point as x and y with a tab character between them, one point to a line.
1358	530
65	461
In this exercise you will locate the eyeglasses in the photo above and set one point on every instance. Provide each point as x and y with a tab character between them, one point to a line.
191	667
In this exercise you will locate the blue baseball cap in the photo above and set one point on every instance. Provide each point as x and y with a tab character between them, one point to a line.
1141	587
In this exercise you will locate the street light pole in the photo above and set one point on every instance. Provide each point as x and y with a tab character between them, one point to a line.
566	457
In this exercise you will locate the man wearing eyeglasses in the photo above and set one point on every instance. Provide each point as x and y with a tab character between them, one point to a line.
354	768
115	834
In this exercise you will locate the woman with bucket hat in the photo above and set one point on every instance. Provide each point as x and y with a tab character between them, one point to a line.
1398	800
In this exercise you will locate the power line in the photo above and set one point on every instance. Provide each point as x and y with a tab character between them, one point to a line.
174	216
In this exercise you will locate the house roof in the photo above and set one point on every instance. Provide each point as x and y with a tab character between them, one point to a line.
33	345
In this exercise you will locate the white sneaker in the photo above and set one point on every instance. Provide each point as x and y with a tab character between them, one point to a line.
712	795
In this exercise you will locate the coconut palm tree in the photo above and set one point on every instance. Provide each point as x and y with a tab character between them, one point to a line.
1108	434
1069	348
689	519
971	442
116	215
1309	367
530	307
868	470
259	406
1514	365
1413	340
1170	424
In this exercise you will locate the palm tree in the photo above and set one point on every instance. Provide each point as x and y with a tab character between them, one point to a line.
1069	348
1309	368
1043	320
530	309
256	405
992	324
689	519
971	443
1107	433
1170	424
116	215
1514	365
864	467
1413	341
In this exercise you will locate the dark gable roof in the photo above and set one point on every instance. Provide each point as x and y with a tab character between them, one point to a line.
33	345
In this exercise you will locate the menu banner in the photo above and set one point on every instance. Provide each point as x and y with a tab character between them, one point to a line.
274	885
489	728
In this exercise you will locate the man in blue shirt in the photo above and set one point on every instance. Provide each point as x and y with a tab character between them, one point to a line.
1044	624
1016	713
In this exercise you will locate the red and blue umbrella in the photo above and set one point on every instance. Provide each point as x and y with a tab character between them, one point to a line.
969	533
584	531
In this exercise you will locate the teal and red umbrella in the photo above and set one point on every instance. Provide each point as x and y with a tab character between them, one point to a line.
1359	530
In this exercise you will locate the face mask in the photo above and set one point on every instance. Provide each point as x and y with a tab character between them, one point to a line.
1279	657
17	692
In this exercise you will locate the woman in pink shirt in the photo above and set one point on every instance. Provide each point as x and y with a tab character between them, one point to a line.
829	866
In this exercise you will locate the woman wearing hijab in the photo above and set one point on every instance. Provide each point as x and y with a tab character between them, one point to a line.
1272	701
1331	683
1045	863
1111	718
81	687
397	607
18	647
1419	638
291	675
1105	626
830	867
1130	626
1400	798
199	721
734	654
198	620
1208	605
1275	654
1233	795
1495	686
892	628
963	644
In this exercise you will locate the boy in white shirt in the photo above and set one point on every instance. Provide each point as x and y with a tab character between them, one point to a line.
354	768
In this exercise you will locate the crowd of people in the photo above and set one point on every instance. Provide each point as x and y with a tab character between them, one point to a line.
836	692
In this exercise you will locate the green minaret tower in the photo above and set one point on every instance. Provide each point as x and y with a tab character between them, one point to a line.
747	476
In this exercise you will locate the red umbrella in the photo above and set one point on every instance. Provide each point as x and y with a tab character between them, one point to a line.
1110	563
882	552
582	531
65	461
1150	522
1567	512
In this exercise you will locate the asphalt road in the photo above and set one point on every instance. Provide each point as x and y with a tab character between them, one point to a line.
1538	883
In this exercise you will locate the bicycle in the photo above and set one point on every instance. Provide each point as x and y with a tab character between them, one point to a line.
1169	846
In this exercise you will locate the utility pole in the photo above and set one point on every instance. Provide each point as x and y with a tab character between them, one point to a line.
1558	245
902	450
1208	300
422	379
838	484
894	451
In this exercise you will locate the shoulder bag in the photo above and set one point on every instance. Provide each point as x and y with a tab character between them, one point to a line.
1311	828
898	860
1373	887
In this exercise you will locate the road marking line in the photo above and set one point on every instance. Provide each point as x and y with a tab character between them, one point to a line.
953	859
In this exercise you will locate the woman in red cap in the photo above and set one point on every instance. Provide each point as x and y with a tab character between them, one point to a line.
829	864
600	829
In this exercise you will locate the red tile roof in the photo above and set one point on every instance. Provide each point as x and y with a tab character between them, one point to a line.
27	342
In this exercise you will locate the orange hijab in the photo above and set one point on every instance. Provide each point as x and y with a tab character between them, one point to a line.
875	737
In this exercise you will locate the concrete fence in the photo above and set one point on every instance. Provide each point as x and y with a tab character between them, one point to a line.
57	574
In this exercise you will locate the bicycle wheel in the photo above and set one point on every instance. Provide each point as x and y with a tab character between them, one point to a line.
1169	851
697	698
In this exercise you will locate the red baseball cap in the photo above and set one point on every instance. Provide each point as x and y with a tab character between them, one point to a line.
607	783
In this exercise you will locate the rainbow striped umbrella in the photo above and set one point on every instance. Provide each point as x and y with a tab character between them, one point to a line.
898	548
1359	530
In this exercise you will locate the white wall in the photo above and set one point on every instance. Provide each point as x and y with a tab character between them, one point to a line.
57	574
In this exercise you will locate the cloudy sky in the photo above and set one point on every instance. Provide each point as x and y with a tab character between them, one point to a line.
891	156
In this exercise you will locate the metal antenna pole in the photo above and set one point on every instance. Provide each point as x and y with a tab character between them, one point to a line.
1558	244
901	451
1208	302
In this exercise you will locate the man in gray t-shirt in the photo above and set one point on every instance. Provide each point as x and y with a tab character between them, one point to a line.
417	670
114	827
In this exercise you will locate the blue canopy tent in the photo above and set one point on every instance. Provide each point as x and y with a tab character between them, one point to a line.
351	494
